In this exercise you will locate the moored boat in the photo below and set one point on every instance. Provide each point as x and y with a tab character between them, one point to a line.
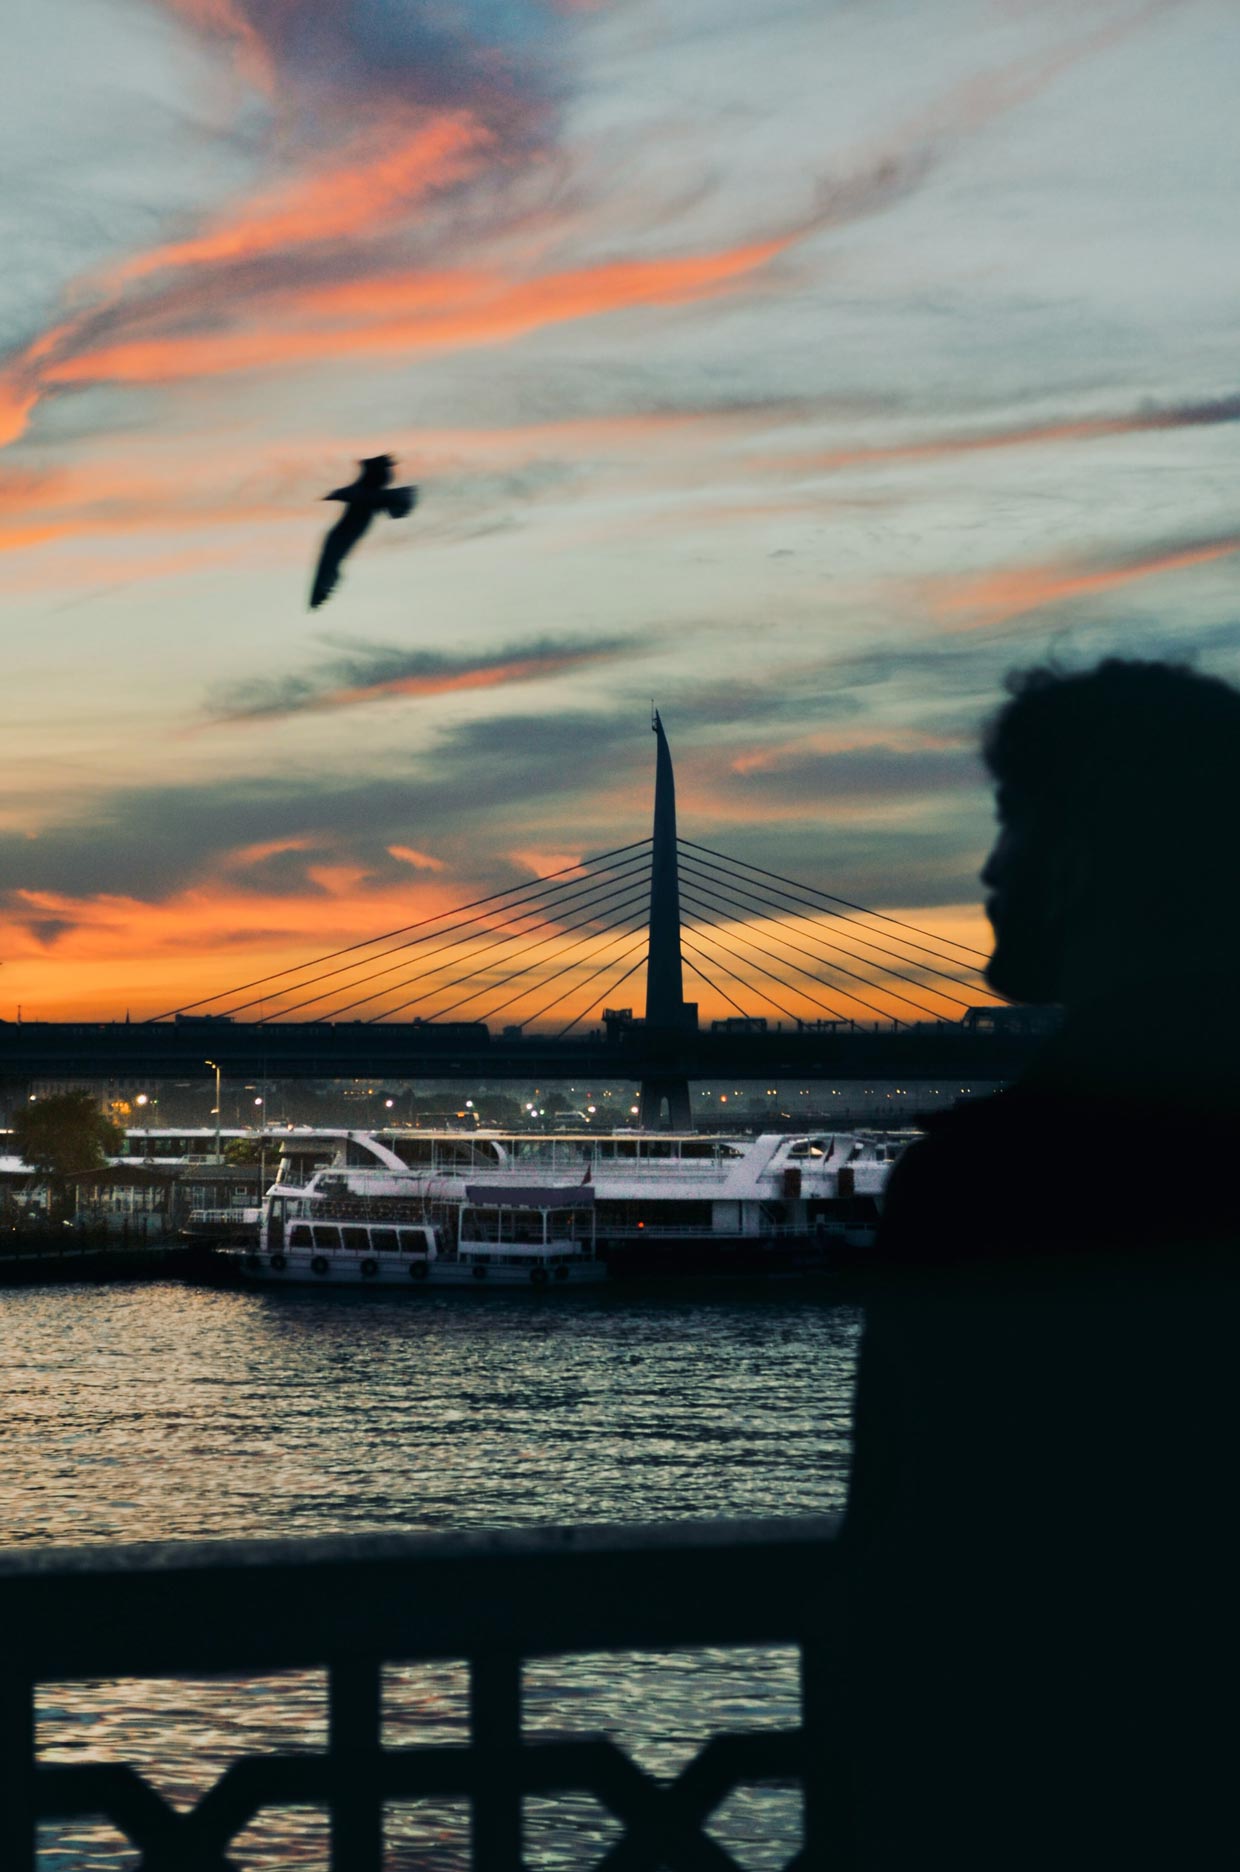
510	1208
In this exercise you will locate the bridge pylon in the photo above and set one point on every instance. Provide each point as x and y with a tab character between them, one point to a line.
664	1095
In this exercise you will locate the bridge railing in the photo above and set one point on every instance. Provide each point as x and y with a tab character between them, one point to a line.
351	1605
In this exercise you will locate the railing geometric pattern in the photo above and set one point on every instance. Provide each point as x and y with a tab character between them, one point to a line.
351	1605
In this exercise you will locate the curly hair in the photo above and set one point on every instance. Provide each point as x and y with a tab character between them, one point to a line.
1138	760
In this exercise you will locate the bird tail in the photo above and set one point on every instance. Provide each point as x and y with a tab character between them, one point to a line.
325	582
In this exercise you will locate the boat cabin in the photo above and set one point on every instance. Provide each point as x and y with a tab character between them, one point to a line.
528	1226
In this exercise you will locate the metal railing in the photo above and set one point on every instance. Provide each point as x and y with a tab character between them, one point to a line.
350	1605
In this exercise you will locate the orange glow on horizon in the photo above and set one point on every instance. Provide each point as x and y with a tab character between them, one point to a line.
124	955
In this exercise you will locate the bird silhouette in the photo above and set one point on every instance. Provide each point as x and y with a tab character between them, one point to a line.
363	499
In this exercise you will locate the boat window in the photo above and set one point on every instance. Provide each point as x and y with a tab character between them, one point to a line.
412	1241
326	1235
383	1241
358	1239
299	1235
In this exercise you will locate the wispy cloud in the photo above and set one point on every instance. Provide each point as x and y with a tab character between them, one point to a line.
446	104
382	175
973	601
385	673
420	860
1209	413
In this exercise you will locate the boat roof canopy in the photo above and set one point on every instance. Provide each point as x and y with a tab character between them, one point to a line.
530	1195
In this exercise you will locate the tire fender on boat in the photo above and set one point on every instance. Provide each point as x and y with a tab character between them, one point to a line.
370	1267
417	1270
319	1265
480	1273
539	1276
279	1262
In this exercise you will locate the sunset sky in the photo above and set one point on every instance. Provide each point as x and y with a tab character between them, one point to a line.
801	366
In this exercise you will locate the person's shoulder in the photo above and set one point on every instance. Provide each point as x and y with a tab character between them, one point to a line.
973	1128
952	1190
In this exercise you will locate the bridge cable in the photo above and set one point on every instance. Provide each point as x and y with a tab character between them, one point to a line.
573	968
401	930
849	994
633	870
590	1006
775	978
636	882
818	916
705	922
864	979
547	1006
627	909
825	962
473	969
813	890
716	989
765	998
489	987
807	911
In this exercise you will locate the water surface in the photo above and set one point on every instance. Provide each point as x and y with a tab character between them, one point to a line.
161	1412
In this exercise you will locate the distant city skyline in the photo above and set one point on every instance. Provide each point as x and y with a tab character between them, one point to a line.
801	368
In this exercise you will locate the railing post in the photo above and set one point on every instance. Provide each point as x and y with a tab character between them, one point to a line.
354	1725
17	1823
495	1731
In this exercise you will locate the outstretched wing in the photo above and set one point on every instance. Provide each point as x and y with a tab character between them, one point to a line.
340	541
400	502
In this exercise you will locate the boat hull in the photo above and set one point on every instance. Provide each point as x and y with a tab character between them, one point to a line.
410	1277
716	1257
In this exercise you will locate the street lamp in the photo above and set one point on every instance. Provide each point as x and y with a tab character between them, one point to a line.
215	1069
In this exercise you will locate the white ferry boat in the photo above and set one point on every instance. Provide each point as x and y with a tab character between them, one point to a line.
434	1209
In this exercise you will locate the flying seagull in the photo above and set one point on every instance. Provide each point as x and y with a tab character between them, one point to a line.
363	499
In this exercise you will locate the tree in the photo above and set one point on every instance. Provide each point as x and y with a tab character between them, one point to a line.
64	1132
248	1150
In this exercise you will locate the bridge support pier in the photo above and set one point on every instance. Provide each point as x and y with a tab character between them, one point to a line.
671	1090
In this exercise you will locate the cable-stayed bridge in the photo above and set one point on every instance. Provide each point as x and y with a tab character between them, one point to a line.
540	981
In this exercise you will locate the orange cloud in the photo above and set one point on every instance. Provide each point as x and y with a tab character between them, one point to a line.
269	848
841	741
421	861
972	602
227	20
356	193
546	864
17	400
451	682
446	312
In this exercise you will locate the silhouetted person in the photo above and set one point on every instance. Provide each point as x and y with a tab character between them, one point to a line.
364	498
1041	1529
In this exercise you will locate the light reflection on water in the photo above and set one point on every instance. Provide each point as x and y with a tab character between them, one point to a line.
168	1413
